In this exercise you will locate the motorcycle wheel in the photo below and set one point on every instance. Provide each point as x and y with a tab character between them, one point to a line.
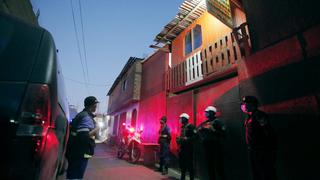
120	152
135	155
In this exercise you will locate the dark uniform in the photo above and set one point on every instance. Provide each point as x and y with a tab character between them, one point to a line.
261	141
164	141
211	134
80	145
185	142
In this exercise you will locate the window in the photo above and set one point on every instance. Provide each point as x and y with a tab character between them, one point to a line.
193	39
188	43
134	118
124	85
116	125
197	37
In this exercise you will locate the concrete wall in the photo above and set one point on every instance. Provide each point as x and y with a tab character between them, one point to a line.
153	96
285	77
153	75
273	20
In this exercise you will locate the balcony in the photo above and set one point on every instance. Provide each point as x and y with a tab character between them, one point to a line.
215	61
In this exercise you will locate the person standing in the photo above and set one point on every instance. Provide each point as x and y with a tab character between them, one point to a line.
81	142
211	133
260	139
185	142
164	142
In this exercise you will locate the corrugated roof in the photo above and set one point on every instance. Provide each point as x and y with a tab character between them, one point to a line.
126	67
190	10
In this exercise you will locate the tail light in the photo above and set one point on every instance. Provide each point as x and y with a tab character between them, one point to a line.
35	111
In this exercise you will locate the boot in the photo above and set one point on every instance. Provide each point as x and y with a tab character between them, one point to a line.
165	171
158	169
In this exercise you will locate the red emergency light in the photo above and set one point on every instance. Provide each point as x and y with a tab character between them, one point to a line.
131	129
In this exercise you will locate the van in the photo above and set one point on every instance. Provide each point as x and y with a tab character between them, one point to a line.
33	105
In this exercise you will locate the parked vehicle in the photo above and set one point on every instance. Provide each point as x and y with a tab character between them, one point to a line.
33	106
130	143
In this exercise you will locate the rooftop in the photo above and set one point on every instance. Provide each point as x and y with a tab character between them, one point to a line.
190	10
126	67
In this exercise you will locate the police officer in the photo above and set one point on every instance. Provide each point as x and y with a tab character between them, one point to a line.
164	141
81	140
185	142
260	139
211	133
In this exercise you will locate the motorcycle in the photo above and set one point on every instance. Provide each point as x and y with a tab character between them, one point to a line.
130	144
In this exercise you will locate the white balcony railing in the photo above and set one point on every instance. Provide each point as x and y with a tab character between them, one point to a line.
194	68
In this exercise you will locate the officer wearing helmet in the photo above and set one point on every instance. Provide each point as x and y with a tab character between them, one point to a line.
260	139
81	140
211	133
185	142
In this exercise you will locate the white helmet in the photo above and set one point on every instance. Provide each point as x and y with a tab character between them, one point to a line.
185	115
211	108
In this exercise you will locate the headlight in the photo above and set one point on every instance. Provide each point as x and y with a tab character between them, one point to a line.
100	124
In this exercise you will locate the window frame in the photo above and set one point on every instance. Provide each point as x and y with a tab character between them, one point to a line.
124	84
191	33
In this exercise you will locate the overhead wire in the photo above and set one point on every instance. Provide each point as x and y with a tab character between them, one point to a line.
89	84
79	49
84	41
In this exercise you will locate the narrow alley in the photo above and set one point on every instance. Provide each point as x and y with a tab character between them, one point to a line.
106	166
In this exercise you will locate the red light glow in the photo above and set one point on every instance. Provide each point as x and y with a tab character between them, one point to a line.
49	154
131	130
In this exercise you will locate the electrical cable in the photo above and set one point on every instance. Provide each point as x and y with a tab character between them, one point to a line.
89	84
83	41
78	45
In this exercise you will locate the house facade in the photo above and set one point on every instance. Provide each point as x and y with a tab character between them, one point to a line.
124	95
214	54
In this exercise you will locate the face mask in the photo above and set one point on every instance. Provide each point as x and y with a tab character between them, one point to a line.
207	114
183	120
